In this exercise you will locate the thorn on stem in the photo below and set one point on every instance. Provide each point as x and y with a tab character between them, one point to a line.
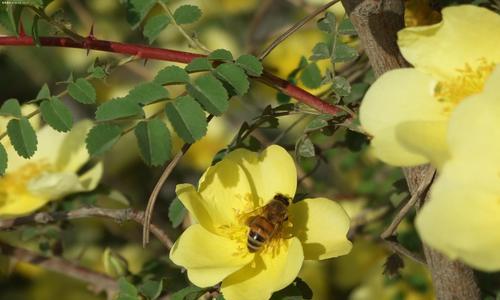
22	33
145	61
91	33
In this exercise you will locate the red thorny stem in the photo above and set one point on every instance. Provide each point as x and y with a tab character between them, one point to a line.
146	52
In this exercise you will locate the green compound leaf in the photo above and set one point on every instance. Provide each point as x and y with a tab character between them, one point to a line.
318	122
172	75
102	137
199	64
305	147
154	142
43	93
11	108
56	114
137	11
154	26
327	23
320	51
221	54
4	159
210	93
311	76
234	76
119	108
82	91
188	118
146	93
346	27
151	289
341	86
176	212
343	53
187	14
126	290
250	64
22	136
190	292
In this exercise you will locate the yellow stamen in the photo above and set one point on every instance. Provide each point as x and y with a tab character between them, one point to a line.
469	81
16	182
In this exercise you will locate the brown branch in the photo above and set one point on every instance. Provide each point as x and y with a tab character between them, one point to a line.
119	215
377	23
294	28
147	52
399	249
99	282
420	193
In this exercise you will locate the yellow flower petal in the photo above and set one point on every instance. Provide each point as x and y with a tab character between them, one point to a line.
466	35
461	219
426	138
200	209
55	185
90	179
73	154
266	274
399	96
225	193
208	258
475	123
270	172
16	204
321	225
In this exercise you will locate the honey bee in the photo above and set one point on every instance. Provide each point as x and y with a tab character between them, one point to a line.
264	226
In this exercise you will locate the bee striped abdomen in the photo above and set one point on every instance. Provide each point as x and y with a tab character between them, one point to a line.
260	231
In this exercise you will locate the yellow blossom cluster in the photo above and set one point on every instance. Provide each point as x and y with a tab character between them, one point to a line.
445	111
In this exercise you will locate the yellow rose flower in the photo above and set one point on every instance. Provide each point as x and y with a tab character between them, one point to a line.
229	193
461	219
50	174
407	110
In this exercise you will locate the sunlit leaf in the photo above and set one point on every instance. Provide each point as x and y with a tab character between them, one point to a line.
172	74
56	114
11	108
119	108
250	64
102	137
210	93
188	118
186	14
22	136
154	26
82	91
154	141
234	76
220	54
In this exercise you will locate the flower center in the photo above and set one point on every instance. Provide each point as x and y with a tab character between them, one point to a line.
467	82
16	182
239	232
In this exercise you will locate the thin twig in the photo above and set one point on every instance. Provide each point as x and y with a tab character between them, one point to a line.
41	13
294	28
419	194
156	190
192	42
119	215
398	248
99	281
